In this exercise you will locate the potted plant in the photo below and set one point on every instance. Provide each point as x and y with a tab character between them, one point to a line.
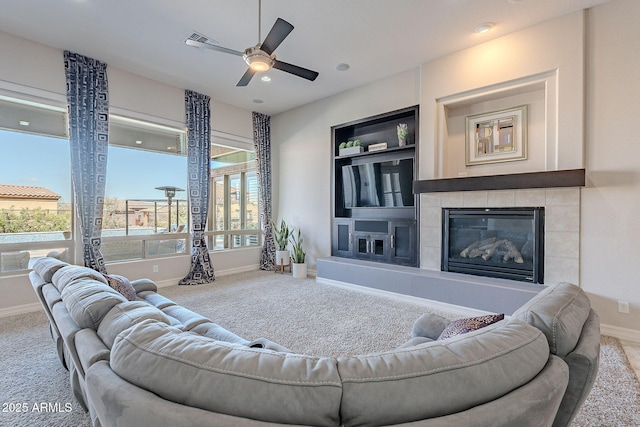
298	256
281	237
350	147
403	133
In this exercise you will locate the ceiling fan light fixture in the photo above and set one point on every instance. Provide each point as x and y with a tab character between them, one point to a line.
258	60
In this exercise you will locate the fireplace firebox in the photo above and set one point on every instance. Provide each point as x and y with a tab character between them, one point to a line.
503	242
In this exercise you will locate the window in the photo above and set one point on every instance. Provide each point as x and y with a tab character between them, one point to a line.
146	211
35	183
234	215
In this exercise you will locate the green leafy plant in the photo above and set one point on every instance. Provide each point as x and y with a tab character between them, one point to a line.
349	144
33	220
403	131
297	254
281	235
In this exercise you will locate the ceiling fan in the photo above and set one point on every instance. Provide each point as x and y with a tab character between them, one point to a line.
260	57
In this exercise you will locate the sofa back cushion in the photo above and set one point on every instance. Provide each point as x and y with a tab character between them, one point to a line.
47	266
559	311
440	377
228	378
69	273
125	315
88	301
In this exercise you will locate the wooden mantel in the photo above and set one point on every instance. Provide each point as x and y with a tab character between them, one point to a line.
548	179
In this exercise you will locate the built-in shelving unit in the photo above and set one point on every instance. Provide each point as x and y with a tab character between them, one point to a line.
374	207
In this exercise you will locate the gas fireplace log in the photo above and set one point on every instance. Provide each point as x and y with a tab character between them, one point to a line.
489	251
467	251
512	252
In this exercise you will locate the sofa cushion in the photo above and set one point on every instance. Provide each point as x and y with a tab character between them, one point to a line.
228	378
185	319
217	332
67	274
122	285
559	311
462	326
89	300
46	267
440	377
125	315
155	299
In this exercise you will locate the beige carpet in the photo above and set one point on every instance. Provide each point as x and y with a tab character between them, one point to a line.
300	314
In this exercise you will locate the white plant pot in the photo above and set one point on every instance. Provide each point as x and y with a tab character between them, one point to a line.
299	270
282	257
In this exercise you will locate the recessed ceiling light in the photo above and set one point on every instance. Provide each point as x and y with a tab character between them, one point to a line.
343	66
139	142
485	28
258	101
171	148
24	123
265	78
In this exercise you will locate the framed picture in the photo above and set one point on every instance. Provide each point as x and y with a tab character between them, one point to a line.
500	136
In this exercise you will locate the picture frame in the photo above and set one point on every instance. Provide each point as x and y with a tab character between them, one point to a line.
498	136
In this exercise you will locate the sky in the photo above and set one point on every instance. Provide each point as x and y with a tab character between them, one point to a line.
27	159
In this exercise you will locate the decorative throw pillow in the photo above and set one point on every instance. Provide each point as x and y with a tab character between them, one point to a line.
462	326
122	285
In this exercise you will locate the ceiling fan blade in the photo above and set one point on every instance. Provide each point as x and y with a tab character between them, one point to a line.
212	47
278	33
294	69
246	77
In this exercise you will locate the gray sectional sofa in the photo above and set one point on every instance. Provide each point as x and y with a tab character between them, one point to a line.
153	362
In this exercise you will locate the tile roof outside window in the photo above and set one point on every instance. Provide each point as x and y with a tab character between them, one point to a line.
26	192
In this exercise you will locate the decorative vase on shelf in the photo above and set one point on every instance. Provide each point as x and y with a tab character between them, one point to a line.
403	132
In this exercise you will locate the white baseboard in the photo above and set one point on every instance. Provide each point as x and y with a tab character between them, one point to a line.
624	334
437	305
218	273
20	309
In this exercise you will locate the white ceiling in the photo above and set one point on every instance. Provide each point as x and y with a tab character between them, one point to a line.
378	38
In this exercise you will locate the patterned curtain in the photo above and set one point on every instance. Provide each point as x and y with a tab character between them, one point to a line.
198	116
87	96
262	143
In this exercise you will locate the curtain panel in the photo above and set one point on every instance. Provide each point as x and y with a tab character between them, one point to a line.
198	119
262	144
88	104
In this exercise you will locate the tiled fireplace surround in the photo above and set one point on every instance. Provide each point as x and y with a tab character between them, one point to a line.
562	224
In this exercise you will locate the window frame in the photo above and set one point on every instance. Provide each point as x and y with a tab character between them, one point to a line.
229	235
182	239
50	104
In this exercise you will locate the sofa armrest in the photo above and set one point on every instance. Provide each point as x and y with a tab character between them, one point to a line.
415	341
142	285
429	325
90	348
268	345
583	364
